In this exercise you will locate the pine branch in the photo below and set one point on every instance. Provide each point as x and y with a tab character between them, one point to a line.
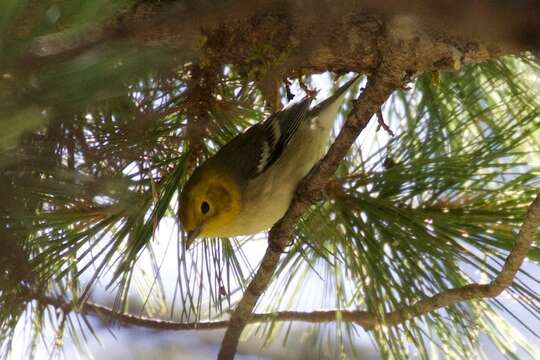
364	319
375	94
503	280
361	318
108	314
172	26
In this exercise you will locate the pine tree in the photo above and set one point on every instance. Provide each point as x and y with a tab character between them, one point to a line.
417	226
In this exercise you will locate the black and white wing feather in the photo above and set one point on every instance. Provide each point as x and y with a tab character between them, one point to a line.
251	153
278	130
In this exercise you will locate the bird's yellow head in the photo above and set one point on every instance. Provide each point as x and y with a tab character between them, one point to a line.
210	200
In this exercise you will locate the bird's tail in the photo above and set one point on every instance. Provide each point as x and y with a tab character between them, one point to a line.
337	97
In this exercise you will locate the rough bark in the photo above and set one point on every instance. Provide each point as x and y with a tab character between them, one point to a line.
286	38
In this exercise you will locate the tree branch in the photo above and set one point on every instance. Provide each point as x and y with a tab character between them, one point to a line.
107	314
364	319
477	291
232	33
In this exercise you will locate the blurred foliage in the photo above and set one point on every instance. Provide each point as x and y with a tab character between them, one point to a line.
96	145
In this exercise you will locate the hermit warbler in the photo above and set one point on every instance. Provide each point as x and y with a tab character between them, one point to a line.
248	184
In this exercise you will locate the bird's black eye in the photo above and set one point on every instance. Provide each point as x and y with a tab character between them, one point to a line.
205	207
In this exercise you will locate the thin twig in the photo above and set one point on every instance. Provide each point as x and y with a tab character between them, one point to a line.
270	86
199	93
382	124
288	91
107	314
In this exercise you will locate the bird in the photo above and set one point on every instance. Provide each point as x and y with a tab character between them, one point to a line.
248	185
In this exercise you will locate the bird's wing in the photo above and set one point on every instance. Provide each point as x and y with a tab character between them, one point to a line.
279	128
252	152
278	131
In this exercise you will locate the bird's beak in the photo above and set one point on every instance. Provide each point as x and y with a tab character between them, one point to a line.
192	235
